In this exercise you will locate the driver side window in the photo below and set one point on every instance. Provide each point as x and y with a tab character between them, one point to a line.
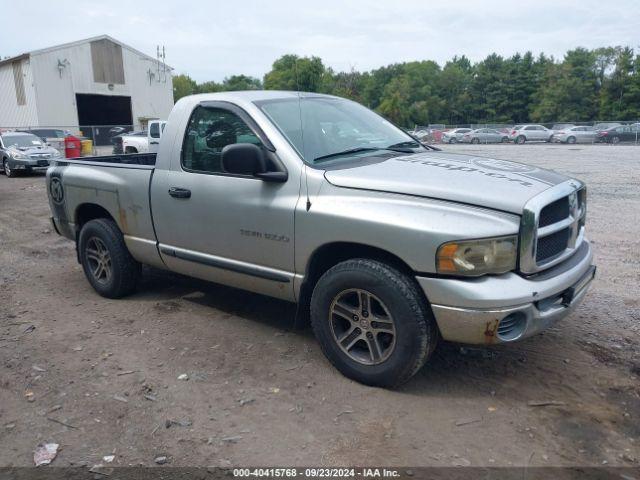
210	129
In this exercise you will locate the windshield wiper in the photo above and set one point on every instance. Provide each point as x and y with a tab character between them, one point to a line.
425	145
347	152
405	145
362	149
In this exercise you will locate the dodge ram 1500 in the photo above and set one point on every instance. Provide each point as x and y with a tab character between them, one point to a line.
388	245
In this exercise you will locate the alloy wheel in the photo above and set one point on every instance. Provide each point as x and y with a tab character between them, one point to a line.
362	326
99	260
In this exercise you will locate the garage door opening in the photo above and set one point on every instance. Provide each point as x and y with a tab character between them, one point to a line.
105	111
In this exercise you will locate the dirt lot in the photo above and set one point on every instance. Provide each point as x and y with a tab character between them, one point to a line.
259	393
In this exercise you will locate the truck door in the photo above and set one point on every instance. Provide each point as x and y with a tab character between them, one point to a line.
155	133
232	229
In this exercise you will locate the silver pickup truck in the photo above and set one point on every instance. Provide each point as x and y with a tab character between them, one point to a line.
386	244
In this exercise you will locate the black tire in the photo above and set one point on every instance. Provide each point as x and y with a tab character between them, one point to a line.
453	140
475	141
615	140
521	139
131	150
505	139
124	270
8	171
415	335
571	140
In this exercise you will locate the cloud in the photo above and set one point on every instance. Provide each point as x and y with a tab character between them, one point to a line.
213	39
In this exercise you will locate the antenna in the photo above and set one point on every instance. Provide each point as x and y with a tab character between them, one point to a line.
306	176
161	56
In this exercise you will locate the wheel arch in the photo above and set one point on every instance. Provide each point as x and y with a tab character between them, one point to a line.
331	254
86	212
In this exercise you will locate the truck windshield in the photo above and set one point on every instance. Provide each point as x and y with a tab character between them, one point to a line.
325	129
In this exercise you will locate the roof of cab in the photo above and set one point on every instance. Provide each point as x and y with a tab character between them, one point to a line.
256	95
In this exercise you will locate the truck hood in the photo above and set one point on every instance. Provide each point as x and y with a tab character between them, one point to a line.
481	181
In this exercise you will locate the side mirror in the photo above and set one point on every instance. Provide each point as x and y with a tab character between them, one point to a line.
243	159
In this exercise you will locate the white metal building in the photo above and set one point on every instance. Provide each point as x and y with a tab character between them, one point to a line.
97	81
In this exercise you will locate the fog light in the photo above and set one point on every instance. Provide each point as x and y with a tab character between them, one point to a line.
512	326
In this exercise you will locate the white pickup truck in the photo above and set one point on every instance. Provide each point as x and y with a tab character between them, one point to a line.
388	245
140	142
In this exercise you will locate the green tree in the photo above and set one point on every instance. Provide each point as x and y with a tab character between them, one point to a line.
395	103
569	91
291	72
619	96
241	82
183	85
603	83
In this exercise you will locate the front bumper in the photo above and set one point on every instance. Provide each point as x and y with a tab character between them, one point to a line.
29	165
508	307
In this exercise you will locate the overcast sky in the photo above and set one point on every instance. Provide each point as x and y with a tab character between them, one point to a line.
213	39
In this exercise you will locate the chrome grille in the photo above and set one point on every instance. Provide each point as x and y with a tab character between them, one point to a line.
552	226
554	212
552	245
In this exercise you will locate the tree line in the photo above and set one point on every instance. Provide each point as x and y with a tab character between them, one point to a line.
585	85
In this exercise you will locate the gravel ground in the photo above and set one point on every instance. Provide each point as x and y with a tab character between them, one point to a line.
100	377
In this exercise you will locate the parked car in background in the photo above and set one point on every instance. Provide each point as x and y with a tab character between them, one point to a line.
431	134
583	134
455	135
54	137
622	133
530	133
484	135
24	152
119	130
605	126
557	127
46	133
140	142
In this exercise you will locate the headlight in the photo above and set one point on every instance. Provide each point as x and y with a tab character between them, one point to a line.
477	257
18	155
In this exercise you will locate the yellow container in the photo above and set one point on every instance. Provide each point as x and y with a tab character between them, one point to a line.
86	147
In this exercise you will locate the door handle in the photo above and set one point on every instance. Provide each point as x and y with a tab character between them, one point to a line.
177	192
154	143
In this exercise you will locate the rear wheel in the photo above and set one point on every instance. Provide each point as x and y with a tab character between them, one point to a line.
571	140
615	140
453	140
130	150
505	139
106	261
521	139
475	141
372	322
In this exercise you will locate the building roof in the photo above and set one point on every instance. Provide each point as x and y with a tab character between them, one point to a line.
79	42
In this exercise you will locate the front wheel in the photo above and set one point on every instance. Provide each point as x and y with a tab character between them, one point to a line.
475	141
372	322
8	171
505	139
571	140
615	140
520	140
453	140
106	261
